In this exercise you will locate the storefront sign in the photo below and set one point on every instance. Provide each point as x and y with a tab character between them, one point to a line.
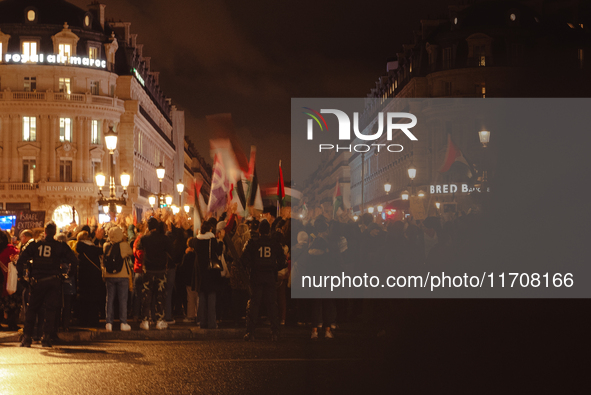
29	220
55	59
67	188
453	188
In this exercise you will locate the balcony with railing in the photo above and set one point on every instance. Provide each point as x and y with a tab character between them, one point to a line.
50	96
18	186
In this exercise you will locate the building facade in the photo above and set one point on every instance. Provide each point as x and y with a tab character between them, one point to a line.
483	50
67	76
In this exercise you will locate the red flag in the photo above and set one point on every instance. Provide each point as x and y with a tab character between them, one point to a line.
453	155
135	217
280	185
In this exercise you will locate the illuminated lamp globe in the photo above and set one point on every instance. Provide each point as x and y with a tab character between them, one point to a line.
175	209
119	209
380	209
160	171
484	136
404	195
168	200
355	218
180	187
106	209
370	210
412	172
387	187
421	194
100	179
125	178
187	208
438	205
111	139
152	200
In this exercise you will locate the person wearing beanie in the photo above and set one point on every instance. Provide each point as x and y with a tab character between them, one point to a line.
117	283
157	250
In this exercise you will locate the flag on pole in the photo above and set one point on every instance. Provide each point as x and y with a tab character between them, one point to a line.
453	155
197	186
280	187
225	144
337	200
254	190
220	186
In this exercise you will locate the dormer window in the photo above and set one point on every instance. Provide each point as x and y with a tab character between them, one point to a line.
31	15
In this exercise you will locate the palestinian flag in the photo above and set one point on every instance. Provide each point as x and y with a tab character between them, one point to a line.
337	200
452	156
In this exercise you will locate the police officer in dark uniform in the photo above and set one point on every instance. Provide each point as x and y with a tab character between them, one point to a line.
263	258
47	256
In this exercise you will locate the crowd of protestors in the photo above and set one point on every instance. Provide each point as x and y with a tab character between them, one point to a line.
231	271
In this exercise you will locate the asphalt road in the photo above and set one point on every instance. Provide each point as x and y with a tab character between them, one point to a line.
292	366
434	347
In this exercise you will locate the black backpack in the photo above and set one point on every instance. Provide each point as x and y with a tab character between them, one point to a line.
113	261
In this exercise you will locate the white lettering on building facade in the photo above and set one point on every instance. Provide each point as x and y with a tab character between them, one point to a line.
55	59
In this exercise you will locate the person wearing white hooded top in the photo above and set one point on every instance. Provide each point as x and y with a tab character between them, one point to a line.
117	283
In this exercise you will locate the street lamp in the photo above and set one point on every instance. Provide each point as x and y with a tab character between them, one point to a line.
187	208
355	218
160	172
370	210
112	203
152	200
168	200
484	136
180	187
421	194
412	173
404	195
387	188
380	209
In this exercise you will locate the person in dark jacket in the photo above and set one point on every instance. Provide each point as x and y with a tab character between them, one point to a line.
178	241
157	249
91	288
47	256
207	281
263	258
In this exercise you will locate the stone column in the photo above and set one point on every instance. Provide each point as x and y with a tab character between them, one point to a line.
15	175
86	150
78	138
5	147
53	130
45	148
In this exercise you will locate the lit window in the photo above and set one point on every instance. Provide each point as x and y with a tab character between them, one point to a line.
29	48
513	17
65	50
29	128
30	84
30	15
65	86
29	170
93	52
580	57
140	143
94	132
66	129
86	21
65	171
94	87
483	91
480	54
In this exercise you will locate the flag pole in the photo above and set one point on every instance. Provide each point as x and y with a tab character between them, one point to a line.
279	193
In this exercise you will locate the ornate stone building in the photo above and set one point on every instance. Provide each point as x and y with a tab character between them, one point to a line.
67	75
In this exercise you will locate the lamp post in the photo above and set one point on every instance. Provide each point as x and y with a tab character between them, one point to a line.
387	188
160	172
404	195
412	173
180	187
112	204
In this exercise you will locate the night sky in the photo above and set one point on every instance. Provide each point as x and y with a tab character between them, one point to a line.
249	58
